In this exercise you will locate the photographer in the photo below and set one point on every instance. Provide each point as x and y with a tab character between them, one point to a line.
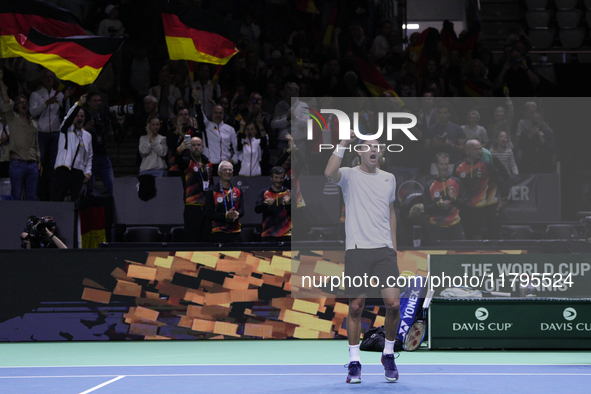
40	234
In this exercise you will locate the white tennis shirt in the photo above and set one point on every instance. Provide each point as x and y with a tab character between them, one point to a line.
367	203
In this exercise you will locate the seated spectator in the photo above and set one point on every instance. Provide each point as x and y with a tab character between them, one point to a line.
153	150
251	148
473	130
537	145
275	205
501	151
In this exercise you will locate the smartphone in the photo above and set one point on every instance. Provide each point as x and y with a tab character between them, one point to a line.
187	138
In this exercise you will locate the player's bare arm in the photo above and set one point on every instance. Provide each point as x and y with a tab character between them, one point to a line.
334	163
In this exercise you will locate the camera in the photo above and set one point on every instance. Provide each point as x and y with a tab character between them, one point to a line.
119	110
36	226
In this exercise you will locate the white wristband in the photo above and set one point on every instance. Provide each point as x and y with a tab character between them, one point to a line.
339	153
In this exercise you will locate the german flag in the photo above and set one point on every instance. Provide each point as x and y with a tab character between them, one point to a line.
198	35
76	59
19	16
424	48
373	79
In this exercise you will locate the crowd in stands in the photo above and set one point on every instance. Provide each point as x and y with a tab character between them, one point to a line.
242	111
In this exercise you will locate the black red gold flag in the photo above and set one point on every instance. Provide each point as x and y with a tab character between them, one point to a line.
198	35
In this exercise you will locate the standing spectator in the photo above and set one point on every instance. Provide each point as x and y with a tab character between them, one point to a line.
197	176
111	26
220	139
503	120
153	150
206	89
476	82
251	148
166	93
480	179
537	145
23	146
380	46
443	198
287	114
528	116
473	130
73	165
275	205
224	206
518	76
46	105
98	124
444	136
501	151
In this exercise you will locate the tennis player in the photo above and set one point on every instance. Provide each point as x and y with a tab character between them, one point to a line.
370	229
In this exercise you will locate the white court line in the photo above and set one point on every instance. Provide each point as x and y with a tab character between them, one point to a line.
298	374
222	365
102	384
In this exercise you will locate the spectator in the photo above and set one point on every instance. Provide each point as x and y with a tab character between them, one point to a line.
537	145
23	146
251	148
148	109
443	199
46	105
73	165
220	139
430	75
111	26
166	93
98	124
286	114
501	151
426	116
197	176
224	206
406	164
518	76
526	123
476	82
380	47
275	205
271	98
153	150
473	130
444	136
503	120
207	90
480	180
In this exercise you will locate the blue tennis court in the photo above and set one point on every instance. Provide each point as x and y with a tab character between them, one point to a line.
255	367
